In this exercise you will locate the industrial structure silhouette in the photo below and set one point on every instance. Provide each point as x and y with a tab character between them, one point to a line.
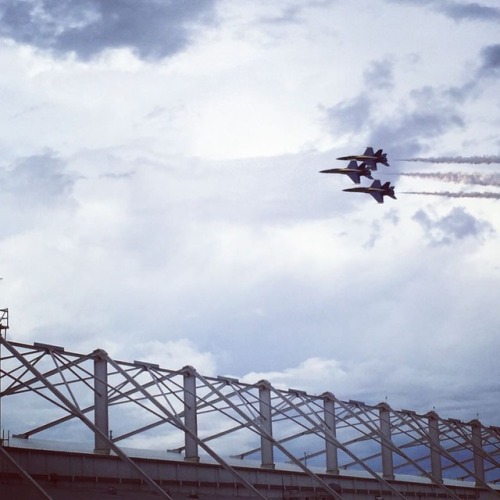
90	426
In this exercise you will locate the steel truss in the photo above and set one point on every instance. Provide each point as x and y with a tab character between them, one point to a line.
111	402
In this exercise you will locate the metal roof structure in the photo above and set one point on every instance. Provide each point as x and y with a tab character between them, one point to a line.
113	406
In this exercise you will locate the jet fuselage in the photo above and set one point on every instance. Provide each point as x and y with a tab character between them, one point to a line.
352	170
377	190
369	157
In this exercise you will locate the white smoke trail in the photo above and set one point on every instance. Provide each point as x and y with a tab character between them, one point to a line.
471	160
456	195
478	179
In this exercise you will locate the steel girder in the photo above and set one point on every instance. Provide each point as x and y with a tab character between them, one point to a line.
196	416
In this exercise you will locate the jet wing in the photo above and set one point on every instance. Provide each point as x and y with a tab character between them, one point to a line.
378	196
368	152
354	177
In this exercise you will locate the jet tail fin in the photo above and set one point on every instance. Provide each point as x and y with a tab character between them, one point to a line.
364	170
372	165
382	157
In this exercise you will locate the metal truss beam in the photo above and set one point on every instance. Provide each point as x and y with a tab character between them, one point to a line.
260	428
211	417
177	422
65	402
6	456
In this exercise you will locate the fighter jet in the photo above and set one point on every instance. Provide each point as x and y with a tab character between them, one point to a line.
353	170
369	157
377	190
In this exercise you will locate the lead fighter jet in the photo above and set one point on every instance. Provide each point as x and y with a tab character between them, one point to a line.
377	190
353	170
369	157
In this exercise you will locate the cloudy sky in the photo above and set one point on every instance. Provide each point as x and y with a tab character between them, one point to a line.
160	195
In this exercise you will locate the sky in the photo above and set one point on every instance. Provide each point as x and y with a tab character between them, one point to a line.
160	195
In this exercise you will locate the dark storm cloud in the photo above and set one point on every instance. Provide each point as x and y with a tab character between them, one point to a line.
350	114
151	28
409	131
380	74
39	179
289	14
292	14
490	61
457	225
427	113
470	11
460	93
424	124
488	66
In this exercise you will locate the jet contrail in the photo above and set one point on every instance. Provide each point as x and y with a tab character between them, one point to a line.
448	194
478	179
471	160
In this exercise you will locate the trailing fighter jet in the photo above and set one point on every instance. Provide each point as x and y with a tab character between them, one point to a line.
377	190
353	170
369	157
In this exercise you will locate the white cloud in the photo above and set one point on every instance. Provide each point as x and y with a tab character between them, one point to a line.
310	375
172	354
121	238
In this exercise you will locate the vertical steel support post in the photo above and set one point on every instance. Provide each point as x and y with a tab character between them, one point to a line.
1	379
101	403
385	430
190	414
67	404
331	449
434	441
4	325
266	445
477	444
